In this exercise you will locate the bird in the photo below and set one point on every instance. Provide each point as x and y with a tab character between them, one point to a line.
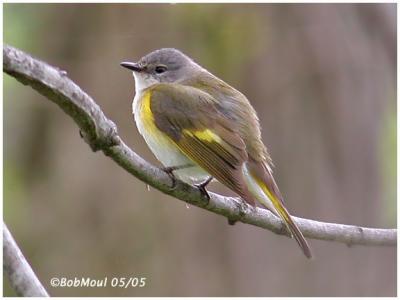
201	128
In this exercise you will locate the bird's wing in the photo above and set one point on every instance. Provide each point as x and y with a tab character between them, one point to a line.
190	119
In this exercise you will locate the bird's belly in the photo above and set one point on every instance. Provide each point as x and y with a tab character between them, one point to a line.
166	151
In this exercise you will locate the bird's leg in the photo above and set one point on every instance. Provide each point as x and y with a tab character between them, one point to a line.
202	187
170	171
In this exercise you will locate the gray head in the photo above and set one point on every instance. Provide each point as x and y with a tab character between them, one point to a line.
163	65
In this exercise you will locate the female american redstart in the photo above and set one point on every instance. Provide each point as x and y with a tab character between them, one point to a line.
201	128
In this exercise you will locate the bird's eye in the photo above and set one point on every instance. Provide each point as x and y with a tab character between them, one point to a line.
160	69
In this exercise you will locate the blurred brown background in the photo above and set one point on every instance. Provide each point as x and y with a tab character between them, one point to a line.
323	80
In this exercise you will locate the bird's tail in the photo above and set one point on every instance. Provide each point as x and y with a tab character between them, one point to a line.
262	186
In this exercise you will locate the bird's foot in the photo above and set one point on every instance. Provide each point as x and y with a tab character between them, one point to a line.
170	172
202	188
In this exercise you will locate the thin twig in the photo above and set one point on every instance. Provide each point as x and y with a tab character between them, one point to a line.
101	134
21	276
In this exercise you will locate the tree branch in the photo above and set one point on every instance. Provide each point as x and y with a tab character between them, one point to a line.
101	134
21	276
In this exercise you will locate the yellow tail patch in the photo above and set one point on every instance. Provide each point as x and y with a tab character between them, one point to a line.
283	213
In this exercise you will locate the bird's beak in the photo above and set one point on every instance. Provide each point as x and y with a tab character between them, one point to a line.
132	66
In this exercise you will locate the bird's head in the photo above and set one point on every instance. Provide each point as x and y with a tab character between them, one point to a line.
167	65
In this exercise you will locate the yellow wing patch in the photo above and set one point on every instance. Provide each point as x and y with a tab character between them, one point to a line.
206	135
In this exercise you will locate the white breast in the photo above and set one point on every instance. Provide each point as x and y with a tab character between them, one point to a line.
165	150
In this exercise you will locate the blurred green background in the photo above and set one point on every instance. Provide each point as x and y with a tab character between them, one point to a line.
323	80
